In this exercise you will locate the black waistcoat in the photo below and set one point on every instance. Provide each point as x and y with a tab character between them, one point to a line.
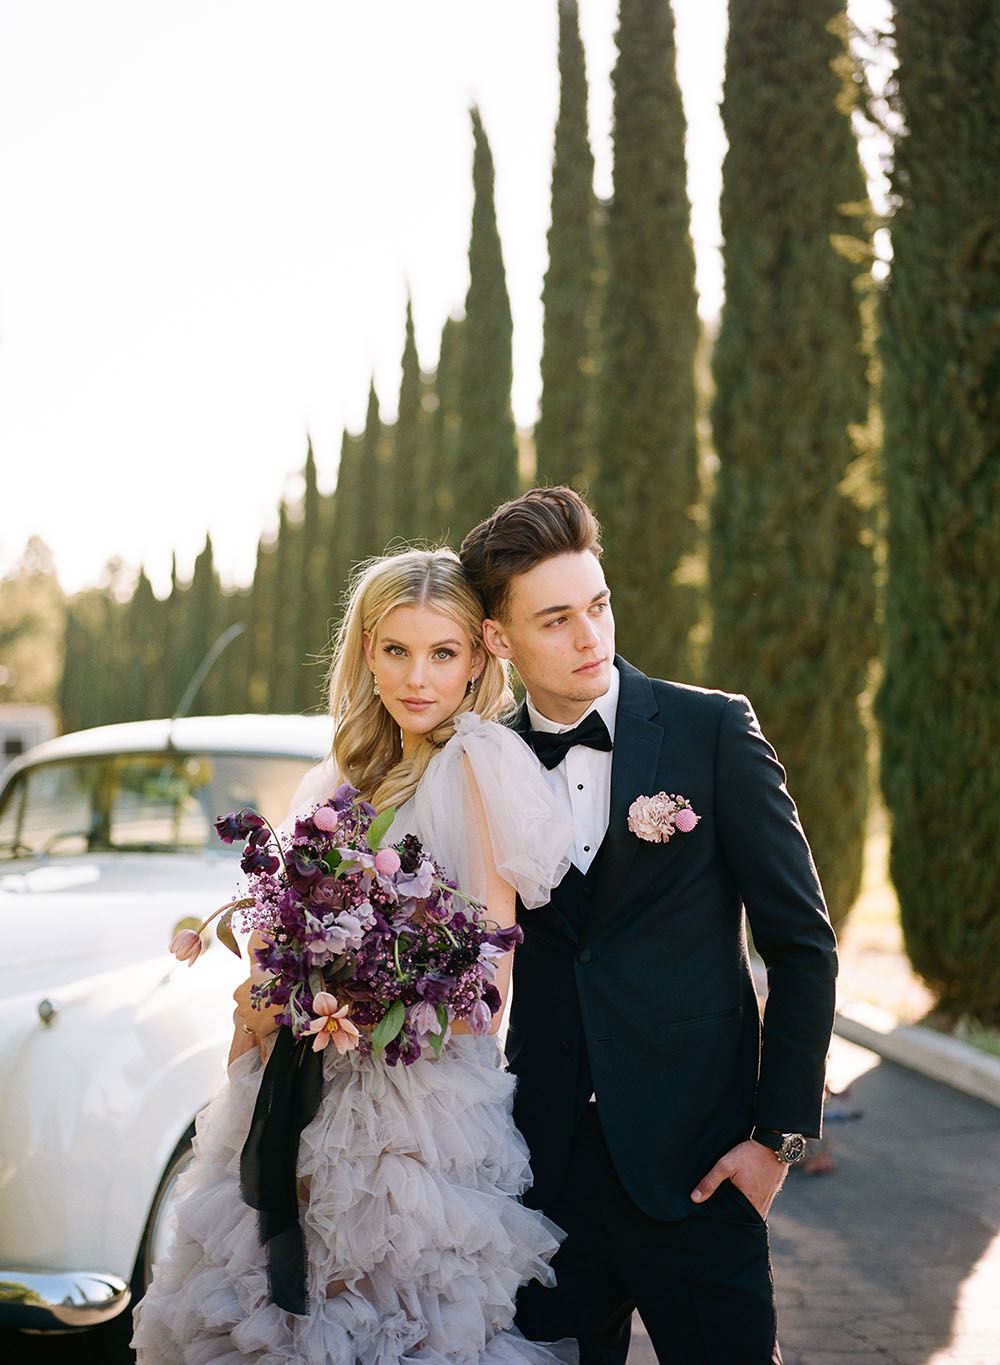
572	898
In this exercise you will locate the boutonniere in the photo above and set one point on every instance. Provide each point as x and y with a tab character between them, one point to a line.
656	818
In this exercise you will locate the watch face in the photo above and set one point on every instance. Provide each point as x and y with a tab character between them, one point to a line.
793	1148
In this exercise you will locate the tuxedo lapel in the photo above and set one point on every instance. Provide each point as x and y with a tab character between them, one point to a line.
634	766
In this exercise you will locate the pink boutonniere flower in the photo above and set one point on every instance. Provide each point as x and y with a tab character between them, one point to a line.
656	818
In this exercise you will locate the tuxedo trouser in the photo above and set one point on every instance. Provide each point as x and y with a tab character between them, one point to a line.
702	1284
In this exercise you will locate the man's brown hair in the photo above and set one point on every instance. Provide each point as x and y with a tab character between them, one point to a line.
522	533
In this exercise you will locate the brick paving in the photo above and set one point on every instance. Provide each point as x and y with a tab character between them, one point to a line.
894	1257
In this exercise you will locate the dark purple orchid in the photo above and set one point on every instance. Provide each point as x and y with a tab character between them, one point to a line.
239	825
258	860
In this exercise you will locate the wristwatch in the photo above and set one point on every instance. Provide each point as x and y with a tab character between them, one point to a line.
787	1147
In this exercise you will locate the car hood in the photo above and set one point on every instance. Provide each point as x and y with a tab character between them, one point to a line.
61	920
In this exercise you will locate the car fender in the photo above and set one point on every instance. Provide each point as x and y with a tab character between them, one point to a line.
134	1052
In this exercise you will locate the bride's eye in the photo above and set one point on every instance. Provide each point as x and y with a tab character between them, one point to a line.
397	651
444	654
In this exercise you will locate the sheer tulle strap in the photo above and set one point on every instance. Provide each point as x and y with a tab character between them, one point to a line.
291	1088
531	839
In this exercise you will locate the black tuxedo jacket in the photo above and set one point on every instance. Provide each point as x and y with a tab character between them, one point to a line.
649	1000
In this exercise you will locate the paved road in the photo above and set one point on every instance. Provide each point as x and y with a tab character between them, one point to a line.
894	1258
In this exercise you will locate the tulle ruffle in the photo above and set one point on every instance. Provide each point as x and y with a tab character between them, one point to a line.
531	840
408	1177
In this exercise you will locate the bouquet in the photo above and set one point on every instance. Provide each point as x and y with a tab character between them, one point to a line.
369	947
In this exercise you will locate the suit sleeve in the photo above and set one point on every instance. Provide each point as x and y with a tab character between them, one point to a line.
766	849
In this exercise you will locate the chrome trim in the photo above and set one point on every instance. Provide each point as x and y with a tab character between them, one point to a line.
45	1300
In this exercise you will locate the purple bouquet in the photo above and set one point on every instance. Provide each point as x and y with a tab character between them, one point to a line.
367	947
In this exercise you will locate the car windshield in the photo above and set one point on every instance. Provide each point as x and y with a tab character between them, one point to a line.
139	802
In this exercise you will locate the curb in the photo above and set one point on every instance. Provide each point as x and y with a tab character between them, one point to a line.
933	1054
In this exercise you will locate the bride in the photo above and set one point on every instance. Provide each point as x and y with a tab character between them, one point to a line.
408	1176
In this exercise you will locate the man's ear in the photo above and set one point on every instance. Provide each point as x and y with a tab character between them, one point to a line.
495	640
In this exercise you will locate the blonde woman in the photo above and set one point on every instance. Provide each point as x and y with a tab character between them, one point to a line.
408	1176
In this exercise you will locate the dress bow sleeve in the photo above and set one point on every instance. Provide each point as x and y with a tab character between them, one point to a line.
530	838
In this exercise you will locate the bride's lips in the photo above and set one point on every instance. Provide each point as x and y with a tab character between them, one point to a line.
415	704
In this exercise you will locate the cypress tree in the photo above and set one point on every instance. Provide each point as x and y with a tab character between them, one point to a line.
178	668
76	693
202	624
262	618
792	573
940	703
371	528
142	686
410	477
647	482
445	425
564	432
230	671
347	501
283	664
485	472
310	598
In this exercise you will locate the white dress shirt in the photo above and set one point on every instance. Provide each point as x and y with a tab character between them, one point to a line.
581	783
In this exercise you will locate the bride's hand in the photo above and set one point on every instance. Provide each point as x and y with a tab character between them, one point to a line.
251	1025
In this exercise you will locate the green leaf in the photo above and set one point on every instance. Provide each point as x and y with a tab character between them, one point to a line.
224	932
339	968
437	1039
388	1028
333	859
379	828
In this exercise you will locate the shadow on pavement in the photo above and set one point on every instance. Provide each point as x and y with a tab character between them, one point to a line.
870	1261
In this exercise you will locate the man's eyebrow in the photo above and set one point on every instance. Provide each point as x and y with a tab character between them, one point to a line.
568	606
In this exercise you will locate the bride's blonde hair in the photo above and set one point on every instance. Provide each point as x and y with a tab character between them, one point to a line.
367	747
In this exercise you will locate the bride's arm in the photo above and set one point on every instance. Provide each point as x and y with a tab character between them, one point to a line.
498	895
251	1025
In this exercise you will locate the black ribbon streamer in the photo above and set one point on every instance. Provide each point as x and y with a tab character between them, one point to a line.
290	1091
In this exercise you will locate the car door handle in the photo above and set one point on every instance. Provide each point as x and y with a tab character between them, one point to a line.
48	1011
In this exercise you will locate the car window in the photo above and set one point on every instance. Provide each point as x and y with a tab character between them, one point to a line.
139	802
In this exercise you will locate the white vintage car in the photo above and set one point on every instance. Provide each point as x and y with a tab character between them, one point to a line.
108	1047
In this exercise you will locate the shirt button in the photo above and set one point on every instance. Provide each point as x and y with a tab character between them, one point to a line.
584	955
579	786
586	848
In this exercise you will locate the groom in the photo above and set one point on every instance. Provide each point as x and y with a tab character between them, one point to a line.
661	1115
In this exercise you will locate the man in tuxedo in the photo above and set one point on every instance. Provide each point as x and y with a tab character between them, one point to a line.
661	1112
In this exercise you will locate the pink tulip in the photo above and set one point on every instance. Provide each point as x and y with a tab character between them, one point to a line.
387	862
186	946
480	1018
332	1022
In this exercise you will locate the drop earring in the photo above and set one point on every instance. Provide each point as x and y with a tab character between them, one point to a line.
375	687
473	685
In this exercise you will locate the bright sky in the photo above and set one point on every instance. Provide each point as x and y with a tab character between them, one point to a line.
212	211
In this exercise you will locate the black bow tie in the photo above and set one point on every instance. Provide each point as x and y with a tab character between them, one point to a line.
551	749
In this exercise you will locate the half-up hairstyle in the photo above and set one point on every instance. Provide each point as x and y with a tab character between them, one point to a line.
367	747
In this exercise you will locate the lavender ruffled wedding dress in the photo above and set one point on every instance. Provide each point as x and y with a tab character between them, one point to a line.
409	1176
